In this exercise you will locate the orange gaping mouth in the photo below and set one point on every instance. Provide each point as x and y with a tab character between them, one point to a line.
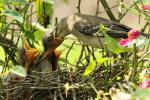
31	54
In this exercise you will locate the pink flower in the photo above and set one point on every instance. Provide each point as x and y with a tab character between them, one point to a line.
124	42
145	84
133	34
146	7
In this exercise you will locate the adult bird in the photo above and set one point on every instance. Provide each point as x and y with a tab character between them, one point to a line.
84	28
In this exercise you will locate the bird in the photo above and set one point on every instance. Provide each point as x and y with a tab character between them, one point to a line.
35	61
84	28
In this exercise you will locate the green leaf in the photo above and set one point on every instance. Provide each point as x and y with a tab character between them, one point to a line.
1	5
4	28
14	14
48	8
39	7
18	70
30	35
102	60
2	57
143	1
4	71
49	1
89	68
44	8
142	94
38	34
1	62
15	2
113	45
1	69
92	65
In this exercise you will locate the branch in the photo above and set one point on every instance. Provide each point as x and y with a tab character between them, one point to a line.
108	10
97	7
78	6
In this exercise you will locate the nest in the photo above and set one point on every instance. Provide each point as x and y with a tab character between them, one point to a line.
61	85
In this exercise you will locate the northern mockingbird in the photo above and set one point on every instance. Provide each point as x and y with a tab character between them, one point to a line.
84	28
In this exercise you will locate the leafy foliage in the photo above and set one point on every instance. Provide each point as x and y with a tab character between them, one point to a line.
143	1
20	20
93	64
112	44
15	2
18	70
13	14
44	10
142	94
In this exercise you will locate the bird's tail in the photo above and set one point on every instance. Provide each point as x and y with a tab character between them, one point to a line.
146	35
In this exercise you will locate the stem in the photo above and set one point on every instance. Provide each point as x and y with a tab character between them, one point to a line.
135	64
78	6
97	7
68	53
1	87
108	10
81	55
121	17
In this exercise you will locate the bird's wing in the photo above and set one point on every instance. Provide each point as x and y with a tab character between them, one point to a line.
89	25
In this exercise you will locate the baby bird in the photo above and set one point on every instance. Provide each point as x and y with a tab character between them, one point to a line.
36	62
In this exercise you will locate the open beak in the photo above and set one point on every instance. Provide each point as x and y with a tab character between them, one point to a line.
53	44
30	55
58	53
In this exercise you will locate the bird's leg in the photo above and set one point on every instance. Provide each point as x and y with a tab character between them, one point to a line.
88	56
81	55
93	55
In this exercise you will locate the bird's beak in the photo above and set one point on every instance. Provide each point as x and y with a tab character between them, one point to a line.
30	54
53	44
58	53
